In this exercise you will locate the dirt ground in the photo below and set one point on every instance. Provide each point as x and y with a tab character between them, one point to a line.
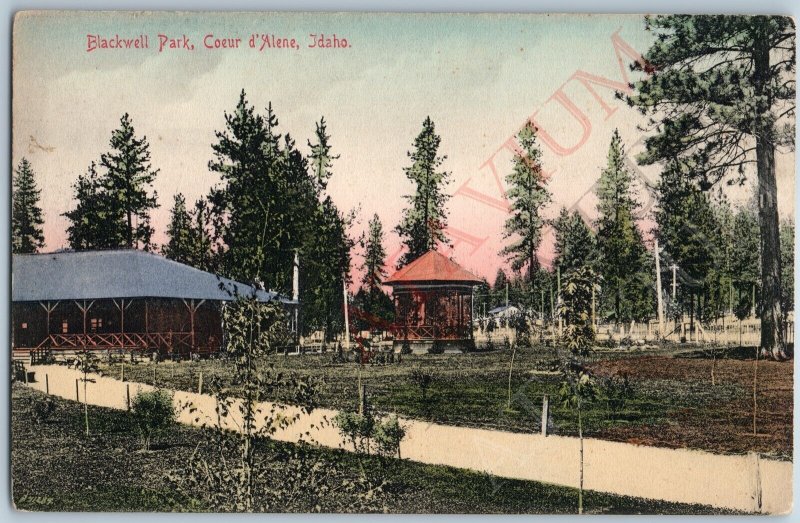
672	402
726	422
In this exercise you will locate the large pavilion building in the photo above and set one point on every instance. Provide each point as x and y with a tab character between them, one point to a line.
119	300
433	300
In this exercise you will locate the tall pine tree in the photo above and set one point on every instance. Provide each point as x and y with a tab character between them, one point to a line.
623	260
254	202
27	235
690	235
128	180
528	194
374	256
179	232
722	94
321	159
423	222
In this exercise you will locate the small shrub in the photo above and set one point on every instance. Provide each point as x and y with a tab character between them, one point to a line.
388	436
357	428
152	411
617	391
42	409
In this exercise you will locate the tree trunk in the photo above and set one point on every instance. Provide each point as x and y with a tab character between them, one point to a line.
772	320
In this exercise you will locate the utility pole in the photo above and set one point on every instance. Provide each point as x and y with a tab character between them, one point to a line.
346	316
542	290
658	289
674	281
730	296
560	323
296	295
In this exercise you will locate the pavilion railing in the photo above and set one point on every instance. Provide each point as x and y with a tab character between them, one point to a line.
163	341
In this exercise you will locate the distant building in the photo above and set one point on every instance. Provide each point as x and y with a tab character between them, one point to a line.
505	312
119	299
433	305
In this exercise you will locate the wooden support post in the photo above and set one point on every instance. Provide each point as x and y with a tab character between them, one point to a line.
77	390
26	376
122	371
46	384
128	394
545	413
200	383
154	374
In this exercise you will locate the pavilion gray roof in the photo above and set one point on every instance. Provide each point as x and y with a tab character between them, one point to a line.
93	275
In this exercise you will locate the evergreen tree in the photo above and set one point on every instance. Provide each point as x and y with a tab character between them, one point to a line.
326	258
689	234
321	158
574	242
255	200
722	94
623	260
527	194
745	260
94	222
375	256
204	256
423	222
127	180
27	235
270	206
179	232
499	288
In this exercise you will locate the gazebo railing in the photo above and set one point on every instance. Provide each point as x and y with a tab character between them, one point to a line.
414	332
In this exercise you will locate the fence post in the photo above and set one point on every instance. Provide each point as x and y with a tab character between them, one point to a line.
122	371
200	383
46	384
77	391
545	413
757	493
362	394
128	394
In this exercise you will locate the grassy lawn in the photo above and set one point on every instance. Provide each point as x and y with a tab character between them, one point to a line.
55	467
672	401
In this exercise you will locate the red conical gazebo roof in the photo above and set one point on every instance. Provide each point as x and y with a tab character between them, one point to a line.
432	267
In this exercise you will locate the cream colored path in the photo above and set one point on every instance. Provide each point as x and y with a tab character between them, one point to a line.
685	476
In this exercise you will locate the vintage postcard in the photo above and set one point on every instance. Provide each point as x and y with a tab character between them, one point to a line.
405	263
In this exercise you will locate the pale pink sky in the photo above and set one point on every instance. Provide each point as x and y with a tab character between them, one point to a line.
479	77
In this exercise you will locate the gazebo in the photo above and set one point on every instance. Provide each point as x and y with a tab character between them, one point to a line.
433	305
